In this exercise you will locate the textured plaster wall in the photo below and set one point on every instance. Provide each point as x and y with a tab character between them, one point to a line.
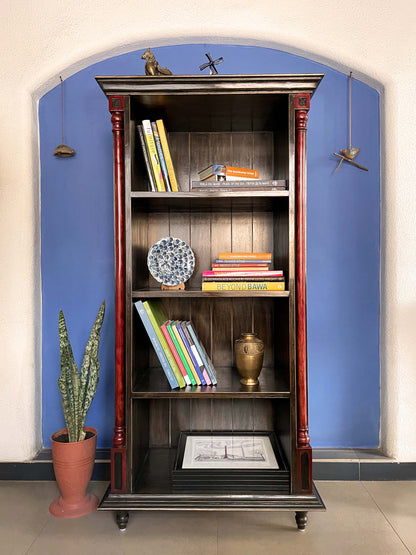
42	40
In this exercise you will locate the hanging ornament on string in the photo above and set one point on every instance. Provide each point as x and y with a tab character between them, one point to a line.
348	154
63	150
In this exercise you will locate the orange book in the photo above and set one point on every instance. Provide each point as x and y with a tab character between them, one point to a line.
232	171
245	256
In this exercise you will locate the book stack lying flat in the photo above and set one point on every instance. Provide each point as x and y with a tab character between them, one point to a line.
219	177
156	153
178	347
243	271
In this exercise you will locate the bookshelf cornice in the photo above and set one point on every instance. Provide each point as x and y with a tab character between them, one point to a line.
204	84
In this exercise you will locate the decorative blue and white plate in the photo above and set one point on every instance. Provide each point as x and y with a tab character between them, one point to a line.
171	261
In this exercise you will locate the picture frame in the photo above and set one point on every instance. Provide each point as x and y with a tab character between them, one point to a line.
236	468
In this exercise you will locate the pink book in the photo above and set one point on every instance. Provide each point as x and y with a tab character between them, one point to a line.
175	354
254	273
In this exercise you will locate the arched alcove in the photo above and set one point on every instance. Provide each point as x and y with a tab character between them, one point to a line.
343	237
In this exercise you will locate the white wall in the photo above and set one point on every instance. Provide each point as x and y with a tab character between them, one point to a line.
43	39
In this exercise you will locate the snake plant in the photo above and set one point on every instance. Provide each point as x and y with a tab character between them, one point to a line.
78	388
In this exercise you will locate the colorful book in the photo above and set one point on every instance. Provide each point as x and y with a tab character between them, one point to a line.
146	157
239	261
225	279
167	154
180	353
251	273
203	354
185	353
252	286
244	266
175	353
161	157
245	255
195	352
195	365
228	172
156	316
156	344
153	156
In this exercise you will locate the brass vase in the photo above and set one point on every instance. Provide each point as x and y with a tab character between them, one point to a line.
249	352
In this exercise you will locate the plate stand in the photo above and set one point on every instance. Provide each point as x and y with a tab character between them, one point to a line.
179	287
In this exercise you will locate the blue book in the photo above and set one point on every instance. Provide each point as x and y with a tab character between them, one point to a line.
202	353
156	344
190	353
161	156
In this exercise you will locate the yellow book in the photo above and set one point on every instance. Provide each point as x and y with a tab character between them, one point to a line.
243	286
166	153
185	353
153	157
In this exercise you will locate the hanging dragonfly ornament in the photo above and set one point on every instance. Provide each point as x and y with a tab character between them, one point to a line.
348	154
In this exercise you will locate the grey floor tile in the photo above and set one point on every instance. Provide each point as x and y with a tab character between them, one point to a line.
397	501
148	533
24	511
352	524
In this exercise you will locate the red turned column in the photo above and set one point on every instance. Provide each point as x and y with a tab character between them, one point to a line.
304	451
118	451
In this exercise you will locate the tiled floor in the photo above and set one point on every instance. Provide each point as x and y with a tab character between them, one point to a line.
361	518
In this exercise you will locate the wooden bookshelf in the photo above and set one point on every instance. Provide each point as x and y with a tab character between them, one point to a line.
254	121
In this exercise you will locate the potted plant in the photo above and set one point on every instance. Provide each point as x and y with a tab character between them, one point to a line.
73	448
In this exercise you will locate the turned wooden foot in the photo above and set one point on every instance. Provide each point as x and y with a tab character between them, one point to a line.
301	519
122	518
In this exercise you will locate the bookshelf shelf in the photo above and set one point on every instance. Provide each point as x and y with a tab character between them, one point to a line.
274	384
197	293
244	121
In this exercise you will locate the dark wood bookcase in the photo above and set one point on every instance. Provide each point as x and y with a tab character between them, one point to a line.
254	121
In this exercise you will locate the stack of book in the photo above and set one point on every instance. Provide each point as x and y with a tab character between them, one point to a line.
157	156
178	347
220	177
243	271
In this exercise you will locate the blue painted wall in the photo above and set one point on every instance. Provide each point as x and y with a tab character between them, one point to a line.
343	238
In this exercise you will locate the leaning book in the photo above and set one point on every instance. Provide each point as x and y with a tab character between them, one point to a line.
156	344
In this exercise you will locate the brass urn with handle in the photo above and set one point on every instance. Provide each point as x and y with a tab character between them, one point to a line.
249	352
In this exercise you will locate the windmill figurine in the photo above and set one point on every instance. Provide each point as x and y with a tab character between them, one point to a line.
211	64
348	154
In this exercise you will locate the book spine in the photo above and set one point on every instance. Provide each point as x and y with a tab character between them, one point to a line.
156	344
243	286
154	158
239	261
164	345
180	353
161	157
175	354
245	255
236	266
146	158
190	353
166	152
237	278
239	183
185	353
195	352
254	273
204	356
241	172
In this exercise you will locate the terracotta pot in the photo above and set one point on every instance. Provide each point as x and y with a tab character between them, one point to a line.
73	464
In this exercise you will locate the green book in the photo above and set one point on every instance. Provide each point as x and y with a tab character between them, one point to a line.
157	315
178	348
